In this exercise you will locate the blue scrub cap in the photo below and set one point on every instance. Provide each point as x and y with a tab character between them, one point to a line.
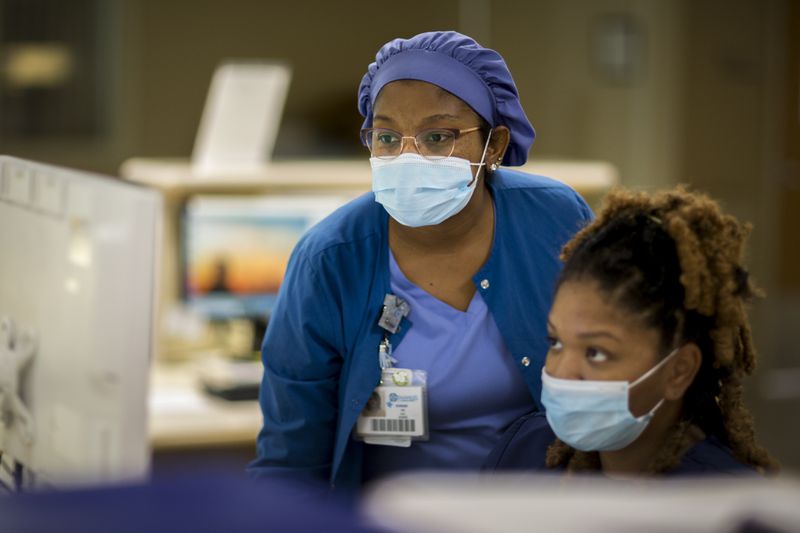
460	66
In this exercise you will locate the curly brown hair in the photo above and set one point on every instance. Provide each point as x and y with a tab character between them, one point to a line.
675	260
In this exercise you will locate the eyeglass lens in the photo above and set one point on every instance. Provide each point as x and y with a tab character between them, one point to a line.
432	144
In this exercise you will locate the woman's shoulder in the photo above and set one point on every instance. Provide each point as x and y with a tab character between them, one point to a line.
358	223
549	197
509	178
523	446
506	179
711	456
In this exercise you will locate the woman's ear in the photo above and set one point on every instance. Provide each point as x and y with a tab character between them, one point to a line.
682	370
497	145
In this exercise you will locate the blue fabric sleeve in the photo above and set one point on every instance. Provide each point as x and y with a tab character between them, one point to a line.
712	457
302	365
586	212
523	446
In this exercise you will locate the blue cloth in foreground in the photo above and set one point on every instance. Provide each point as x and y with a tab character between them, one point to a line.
204	502
524	447
459	65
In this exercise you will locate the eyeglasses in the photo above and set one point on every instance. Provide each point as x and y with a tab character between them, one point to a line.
436	143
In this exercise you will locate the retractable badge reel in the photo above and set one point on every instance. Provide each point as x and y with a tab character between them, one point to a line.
396	412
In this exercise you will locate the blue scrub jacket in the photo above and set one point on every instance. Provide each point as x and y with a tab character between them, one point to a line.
320	352
524	447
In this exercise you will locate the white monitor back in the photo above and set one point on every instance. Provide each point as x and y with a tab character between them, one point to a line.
241	118
77	274
508	502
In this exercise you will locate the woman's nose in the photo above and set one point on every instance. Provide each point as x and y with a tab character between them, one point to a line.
408	145
564	366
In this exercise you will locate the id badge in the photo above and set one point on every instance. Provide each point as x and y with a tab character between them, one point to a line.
396	412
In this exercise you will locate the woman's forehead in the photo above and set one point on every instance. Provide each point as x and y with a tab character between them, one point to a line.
581	307
419	99
581	303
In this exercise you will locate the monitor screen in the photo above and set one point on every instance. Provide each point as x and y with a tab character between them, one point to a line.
241	117
77	299
236	248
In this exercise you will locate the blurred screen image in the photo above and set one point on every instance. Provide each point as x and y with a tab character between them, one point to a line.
236	249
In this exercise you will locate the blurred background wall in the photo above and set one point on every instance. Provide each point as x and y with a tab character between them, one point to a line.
703	92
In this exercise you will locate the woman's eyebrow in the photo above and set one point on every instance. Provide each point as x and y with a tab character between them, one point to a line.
427	120
587	334
592	334
382	118
439	116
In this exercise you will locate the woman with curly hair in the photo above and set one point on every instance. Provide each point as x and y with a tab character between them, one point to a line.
649	345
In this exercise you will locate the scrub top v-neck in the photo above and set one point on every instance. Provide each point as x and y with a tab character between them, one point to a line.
475	390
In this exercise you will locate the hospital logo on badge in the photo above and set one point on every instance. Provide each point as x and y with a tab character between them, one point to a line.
392	399
400	378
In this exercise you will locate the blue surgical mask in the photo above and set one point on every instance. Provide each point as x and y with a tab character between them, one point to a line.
416	191
594	415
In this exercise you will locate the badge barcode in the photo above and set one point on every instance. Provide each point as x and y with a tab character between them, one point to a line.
396	425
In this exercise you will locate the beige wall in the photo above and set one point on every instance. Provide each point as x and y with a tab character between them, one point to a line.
328	45
576	111
734	134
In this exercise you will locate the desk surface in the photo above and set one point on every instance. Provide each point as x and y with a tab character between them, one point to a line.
177	175
183	415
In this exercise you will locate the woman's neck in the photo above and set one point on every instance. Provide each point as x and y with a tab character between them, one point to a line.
634	459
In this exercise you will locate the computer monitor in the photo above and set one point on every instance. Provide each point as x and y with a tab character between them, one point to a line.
77	299
241	117
576	503
235	249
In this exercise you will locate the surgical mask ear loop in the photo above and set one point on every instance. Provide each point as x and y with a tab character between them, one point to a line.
646	375
653	370
483	156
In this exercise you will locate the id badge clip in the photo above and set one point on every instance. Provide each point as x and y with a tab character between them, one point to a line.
394	310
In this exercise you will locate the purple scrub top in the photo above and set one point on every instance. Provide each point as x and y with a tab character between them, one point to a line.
475	390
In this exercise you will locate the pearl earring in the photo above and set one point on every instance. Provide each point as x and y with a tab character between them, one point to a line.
493	166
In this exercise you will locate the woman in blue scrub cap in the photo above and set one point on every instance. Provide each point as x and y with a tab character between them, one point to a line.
410	328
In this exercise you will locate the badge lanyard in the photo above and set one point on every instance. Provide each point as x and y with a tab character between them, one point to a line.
394	310
396	412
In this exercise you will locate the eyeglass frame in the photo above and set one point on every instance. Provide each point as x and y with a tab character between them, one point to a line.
457	132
